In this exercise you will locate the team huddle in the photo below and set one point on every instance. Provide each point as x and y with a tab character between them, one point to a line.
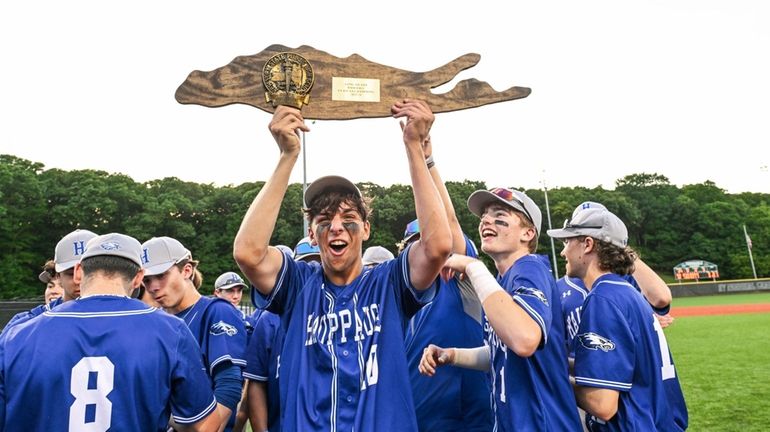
349	341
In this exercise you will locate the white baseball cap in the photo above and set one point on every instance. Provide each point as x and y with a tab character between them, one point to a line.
228	280
517	200
598	223
376	255
306	249
587	205
114	244
71	248
160	253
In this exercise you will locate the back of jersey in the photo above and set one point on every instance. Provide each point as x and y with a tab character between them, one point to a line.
102	363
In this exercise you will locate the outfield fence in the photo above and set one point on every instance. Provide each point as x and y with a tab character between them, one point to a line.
690	289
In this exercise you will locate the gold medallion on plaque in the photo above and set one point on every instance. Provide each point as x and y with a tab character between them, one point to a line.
288	78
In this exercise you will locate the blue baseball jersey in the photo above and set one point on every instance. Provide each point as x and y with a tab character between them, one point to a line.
218	328
99	363
263	360
533	393
621	346
572	293
344	347
28	315
455	398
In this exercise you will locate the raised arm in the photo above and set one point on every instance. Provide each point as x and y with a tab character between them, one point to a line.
458	239
258	261
654	289
427	255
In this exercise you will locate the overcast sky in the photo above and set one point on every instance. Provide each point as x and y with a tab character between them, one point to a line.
680	88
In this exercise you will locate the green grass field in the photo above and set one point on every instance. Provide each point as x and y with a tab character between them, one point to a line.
723	299
723	364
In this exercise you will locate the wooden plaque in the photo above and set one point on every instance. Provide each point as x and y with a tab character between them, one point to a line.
344	88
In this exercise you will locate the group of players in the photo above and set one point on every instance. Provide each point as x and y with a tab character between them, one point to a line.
350	345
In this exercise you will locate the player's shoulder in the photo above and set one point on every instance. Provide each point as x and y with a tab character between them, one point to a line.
530	268
615	289
221	316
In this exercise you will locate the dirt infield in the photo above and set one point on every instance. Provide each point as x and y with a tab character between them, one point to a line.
719	309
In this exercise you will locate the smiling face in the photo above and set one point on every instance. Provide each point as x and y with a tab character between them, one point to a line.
503	232
340	235
53	290
573	252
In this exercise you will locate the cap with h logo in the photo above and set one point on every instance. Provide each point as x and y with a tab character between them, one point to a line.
598	223
70	249
228	280
587	205
114	244
517	200
160	253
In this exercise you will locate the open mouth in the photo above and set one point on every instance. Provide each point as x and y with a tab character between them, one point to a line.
338	246
486	233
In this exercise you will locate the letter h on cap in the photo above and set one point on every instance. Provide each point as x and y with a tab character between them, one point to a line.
80	247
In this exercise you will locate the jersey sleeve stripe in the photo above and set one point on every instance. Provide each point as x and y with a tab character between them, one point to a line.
533	313
56	314
593	382
203	414
226	357
254	377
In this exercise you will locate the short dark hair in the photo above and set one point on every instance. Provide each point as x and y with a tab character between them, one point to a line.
330	203
110	266
615	259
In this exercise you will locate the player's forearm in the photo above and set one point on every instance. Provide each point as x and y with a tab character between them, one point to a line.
472	358
654	289
511	323
431	251
602	403
458	239
224	416
258	405
251	243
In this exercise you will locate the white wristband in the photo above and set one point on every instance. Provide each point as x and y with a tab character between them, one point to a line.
473	358
429	161
483	281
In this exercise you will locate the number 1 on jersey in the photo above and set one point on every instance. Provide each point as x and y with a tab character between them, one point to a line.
667	371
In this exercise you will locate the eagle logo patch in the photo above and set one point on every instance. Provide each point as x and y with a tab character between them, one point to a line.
223	328
595	342
534	292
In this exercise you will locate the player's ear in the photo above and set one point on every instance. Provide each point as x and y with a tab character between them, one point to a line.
136	282
367	230
77	277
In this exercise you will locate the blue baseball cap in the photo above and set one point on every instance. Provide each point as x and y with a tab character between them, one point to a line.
412	230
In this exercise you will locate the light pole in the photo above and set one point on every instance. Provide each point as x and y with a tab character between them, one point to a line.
548	213
748	246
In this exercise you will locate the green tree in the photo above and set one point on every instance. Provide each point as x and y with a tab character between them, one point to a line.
22	222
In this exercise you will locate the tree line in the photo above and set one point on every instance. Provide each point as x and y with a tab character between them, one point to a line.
667	224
